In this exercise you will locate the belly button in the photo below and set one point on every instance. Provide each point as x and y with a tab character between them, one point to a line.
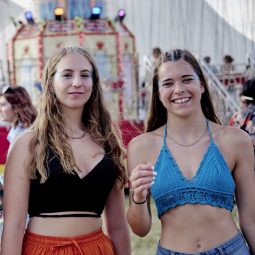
198	245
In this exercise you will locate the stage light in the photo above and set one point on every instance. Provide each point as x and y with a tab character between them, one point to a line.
121	14
29	17
95	12
59	12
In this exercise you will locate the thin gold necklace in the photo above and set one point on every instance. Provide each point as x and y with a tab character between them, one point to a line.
188	145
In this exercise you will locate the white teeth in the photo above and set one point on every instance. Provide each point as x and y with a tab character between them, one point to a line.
181	101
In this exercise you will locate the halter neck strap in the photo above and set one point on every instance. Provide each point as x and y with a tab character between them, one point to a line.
208	128
164	143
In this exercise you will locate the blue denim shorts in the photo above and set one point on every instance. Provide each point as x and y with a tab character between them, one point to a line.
235	246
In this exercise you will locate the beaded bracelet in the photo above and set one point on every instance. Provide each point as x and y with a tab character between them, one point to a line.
138	203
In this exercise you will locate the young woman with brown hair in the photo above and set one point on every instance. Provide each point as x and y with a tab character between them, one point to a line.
68	170
192	167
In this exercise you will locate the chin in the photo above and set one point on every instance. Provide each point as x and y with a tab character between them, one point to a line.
76	107
183	113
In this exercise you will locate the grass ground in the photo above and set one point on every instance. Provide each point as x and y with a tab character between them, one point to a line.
147	245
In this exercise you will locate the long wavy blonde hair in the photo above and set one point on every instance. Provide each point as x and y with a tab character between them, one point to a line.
49	126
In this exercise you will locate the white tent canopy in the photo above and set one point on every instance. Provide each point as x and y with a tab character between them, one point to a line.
193	25
196	25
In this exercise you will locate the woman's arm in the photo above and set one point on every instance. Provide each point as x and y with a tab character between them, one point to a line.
16	193
141	178
244	176
116	222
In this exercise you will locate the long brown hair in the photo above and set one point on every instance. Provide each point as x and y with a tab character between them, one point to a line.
21	103
49	125
157	115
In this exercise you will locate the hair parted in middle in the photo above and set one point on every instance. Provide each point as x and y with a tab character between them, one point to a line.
157	115
49	126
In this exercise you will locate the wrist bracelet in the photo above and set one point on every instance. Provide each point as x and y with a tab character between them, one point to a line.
138	203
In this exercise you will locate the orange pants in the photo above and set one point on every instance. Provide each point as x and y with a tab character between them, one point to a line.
96	243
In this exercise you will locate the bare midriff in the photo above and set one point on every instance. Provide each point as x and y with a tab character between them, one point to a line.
196	228
64	226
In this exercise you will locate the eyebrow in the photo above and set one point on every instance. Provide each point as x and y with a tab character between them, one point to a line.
70	70
183	76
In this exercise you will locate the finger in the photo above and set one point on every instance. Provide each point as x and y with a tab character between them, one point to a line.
142	173
142	191
148	166
142	181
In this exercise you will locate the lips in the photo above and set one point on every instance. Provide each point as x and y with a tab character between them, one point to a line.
75	93
181	100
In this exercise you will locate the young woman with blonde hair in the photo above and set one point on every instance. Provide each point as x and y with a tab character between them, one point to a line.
68	170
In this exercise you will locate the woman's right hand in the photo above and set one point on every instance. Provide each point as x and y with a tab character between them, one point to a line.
141	179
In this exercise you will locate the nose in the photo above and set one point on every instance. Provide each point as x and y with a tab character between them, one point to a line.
179	87
77	82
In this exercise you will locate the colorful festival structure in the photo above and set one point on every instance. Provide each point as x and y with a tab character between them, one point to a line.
73	24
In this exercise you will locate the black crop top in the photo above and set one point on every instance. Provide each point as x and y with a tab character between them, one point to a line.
63	192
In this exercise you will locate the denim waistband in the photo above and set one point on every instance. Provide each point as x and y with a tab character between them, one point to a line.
227	248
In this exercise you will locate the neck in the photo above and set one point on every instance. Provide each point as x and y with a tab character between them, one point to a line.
73	122
13	124
14	121
186	128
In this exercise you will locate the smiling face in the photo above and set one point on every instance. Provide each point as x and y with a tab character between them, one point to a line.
73	83
7	112
180	89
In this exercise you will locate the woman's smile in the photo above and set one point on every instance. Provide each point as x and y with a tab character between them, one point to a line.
181	100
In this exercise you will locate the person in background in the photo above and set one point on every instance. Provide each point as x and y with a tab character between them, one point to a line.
68	170
237	118
192	167
16	108
156	54
245	119
213	68
144	93
228	66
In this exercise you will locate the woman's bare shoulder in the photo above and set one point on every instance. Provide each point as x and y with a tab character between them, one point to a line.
146	140
21	143
144	148
232	136
233	142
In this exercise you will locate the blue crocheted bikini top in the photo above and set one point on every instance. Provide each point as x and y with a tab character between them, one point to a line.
212	184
